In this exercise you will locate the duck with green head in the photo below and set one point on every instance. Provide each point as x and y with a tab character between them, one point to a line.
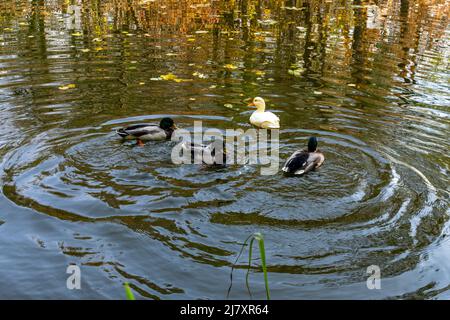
148	132
304	161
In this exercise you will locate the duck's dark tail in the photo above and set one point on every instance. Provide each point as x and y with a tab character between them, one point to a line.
121	132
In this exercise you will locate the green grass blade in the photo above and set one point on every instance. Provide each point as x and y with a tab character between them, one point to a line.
262	252
128	292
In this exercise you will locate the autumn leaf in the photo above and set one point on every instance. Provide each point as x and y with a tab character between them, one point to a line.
67	87
230	66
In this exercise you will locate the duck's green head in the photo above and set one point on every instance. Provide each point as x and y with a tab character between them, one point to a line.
167	124
312	144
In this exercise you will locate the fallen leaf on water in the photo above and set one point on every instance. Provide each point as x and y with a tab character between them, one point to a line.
191	39
318	92
351	85
182	80
213	86
77	34
85	50
172	77
228	105
201	31
67	87
96	40
98	49
169	76
141	83
155	79
230	66
192	99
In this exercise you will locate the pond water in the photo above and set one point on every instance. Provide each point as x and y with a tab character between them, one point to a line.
369	79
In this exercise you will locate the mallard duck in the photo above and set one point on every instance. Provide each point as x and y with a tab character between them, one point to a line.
147	132
200	152
303	161
261	118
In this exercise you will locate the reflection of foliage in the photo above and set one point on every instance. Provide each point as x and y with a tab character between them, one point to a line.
301	35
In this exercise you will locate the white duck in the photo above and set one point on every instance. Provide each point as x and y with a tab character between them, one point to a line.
262	118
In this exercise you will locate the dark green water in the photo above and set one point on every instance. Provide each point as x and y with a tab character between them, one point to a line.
371	81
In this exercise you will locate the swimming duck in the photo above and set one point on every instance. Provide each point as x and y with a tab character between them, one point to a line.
147	132
199	152
303	161
261	118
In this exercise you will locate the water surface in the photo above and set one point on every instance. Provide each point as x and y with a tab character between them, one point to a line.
370	79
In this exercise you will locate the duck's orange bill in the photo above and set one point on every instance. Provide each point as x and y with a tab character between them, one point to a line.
251	104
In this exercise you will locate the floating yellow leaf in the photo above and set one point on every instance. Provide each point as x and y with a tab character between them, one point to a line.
192	99
181	80
85	50
77	34
318	92
230	66
169	76
351	85
191	39
98	49
228	105
67	87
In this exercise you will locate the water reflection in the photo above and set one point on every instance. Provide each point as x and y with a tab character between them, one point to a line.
370	79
